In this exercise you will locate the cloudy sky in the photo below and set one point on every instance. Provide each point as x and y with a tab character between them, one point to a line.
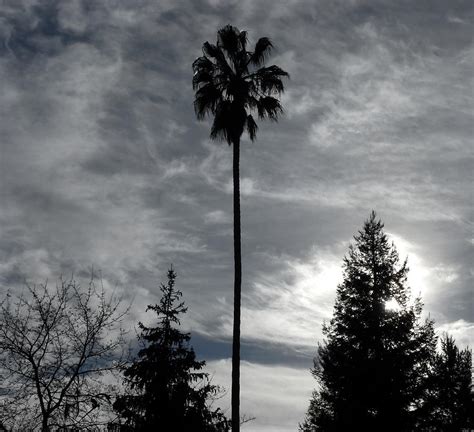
103	164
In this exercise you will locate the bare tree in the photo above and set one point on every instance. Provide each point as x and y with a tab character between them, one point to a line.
56	346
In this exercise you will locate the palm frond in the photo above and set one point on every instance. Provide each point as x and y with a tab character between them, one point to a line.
269	79
202	63
243	39
220	128
210	50
215	52
252	128
207	100
241	59
234	42
228	39
261	52
269	107
202	77
252	101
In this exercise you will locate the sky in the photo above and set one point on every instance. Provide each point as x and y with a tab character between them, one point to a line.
103	165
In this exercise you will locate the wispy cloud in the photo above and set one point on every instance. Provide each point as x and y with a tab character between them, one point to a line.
103	163
461	330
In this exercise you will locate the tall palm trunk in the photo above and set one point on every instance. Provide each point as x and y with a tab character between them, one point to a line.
237	291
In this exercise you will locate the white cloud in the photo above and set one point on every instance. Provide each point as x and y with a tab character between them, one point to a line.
461	330
427	278
33	263
456	20
216	167
276	396
289	305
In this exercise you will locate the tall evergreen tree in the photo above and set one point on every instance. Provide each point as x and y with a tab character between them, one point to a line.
167	389
372	367
449	406
233	86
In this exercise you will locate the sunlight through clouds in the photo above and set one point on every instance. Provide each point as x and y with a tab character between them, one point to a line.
419	274
294	300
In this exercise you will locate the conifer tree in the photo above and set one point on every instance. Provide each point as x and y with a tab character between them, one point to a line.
167	389
450	406
373	366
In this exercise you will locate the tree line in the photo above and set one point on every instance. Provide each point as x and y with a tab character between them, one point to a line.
378	367
61	348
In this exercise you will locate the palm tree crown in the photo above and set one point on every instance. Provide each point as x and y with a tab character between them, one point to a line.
231	84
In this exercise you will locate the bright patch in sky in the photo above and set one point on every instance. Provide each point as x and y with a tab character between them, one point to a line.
392	305
419	273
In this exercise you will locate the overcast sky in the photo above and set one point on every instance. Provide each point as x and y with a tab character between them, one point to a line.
103	164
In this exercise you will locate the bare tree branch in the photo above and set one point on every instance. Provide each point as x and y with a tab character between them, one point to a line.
55	346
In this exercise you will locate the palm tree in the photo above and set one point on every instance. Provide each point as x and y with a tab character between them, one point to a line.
231	84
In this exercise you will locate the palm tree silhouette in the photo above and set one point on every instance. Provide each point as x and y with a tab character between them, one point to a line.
231	84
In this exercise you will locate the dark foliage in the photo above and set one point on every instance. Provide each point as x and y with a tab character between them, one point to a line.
231	83
374	365
449	406
167	389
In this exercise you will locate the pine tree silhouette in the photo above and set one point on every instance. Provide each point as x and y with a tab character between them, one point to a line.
450	406
168	390
373	366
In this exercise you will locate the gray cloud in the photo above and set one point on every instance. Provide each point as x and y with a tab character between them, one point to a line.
103	163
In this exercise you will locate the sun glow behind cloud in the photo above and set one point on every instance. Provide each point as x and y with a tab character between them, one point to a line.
392	305
418	275
289	305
